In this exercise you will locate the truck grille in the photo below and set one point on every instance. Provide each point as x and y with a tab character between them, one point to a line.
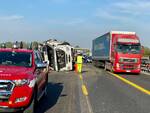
128	67
4	96
126	60
6	88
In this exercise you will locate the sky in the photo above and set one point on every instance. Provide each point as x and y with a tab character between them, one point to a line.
75	21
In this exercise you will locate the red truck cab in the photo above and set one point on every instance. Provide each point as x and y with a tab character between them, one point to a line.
126	52
23	79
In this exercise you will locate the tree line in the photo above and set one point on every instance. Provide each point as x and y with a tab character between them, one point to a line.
146	51
35	44
24	44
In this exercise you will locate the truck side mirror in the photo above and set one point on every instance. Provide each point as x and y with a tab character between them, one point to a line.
41	65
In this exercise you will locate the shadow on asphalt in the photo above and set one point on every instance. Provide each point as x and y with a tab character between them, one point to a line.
84	71
53	93
130	74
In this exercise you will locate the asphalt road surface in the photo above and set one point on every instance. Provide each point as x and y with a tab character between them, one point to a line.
96	91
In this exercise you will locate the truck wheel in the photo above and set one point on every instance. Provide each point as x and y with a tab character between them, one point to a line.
33	104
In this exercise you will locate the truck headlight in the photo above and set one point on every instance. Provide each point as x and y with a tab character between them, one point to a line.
32	83
136	60
121	60
20	99
139	66
117	65
21	82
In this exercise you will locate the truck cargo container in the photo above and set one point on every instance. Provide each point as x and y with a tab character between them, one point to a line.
118	51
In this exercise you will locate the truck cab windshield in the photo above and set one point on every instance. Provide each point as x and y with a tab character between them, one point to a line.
128	48
16	59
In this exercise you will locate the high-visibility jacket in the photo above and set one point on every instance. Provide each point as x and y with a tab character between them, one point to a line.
79	59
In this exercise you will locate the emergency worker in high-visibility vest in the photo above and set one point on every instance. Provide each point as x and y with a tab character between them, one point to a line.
79	62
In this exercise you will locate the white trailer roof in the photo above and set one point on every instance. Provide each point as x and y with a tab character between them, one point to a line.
122	32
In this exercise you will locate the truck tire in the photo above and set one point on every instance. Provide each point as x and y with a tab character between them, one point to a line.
33	105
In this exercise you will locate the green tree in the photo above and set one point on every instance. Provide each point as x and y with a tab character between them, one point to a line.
35	45
146	51
9	44
77	46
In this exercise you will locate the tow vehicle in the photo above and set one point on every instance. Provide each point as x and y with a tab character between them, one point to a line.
23	79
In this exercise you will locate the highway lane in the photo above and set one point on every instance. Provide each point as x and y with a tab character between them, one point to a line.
141	79
95	91
63	93
108	94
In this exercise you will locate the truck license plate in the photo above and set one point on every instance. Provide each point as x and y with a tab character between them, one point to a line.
128	71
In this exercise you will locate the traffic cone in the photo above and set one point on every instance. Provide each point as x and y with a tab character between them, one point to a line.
76	67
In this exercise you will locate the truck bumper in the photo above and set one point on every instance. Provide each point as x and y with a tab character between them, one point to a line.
8	110
19	99
127	71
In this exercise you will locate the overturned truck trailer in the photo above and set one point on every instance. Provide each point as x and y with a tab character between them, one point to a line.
58	54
